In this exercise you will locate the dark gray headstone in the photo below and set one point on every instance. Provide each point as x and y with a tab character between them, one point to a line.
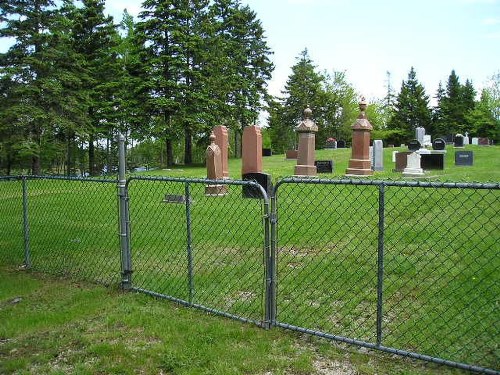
263	179
432	161
324	166
414	145
267	152
464	158
459	141
439	144
341	144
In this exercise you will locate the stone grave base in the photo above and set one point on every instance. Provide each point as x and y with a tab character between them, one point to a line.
216	190
413	172
305	170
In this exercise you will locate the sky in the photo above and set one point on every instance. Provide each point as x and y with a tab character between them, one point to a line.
366	39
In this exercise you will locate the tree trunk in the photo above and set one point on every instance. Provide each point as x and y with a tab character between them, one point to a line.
92	169
35	165
170	152
188	146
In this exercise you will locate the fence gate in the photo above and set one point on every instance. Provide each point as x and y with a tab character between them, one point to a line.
200	245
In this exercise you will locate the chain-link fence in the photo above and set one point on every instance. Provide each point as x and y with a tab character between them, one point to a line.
66	226
409	268
405	267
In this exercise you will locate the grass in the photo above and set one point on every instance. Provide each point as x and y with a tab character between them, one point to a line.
58	326
441	283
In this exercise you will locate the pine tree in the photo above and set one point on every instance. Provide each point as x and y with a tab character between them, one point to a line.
94	38
411	108
40	80
240	65
302	89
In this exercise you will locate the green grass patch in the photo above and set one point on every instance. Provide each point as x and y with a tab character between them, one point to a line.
88	329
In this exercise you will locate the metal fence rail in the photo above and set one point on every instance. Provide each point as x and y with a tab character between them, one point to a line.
408	268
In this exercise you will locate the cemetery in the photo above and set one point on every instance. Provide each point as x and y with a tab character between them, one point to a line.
330	250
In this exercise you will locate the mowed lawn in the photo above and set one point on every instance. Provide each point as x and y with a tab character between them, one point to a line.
58	326
441	282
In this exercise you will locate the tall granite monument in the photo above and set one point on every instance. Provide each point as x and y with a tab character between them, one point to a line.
306	153
360	163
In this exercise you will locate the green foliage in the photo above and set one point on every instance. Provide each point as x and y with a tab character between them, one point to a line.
411	109
331	98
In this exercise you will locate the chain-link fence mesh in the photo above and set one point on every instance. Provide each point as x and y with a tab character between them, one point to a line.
192	245
73	228
410	268
11	221
400	266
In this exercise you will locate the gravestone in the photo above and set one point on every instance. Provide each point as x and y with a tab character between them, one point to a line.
291	154
459	141
427	141
475	141
414	145
331	143
466	139
484	141
341	144
464	158
267	152
401	159
222	140
378	155
419	134
324	166
360	163
214	169
263	179
413	168
306	155
251	154
439	144
432	161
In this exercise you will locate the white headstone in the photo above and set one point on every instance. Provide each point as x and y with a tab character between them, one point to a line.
427	141
413	166
378	155
419	134
475	141
466	140
394	156
371	156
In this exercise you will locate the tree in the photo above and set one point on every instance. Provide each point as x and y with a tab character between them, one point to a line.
482	118
412	108
302	89
94	38
40	76
455	104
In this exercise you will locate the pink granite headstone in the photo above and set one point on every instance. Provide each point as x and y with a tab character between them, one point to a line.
360	163
222	140
214	169
306	152
251	150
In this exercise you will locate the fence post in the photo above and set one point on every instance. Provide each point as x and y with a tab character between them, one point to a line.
270	232
380	261
124	217
187	191
26	224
